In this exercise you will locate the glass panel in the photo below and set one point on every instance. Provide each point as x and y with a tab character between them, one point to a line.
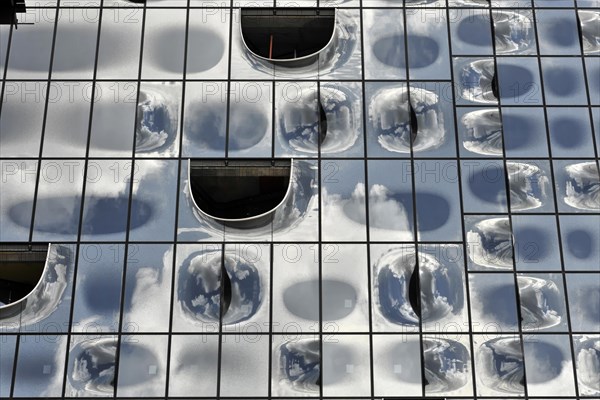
106	200
98	288
536	242
390	200
542	301
580	237
7	359
22	118
164	44
193	368
68	119
471	32
153	200
120	42
31	45
244	365
548	365
346	367
499	365
398	366
557	30
142	365
58	204
147	303
40	366
563	80
524	131
296	300
493	303
385	57
198	272
343	200
344	288
483	186
438	200
113	123
570	132
519	81
75	48
16	204
205	119
250	119
428	52
208	44
584	293
157	120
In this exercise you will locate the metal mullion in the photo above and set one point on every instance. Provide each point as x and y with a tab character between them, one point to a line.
227	121
70	332
509	210
271	341
462	208
129	200
220	333
45	114
4	74
587	87
17	335
414	199
121	158
178	189
555	197
367	223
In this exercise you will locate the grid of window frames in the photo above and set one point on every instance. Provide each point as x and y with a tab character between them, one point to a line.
442	241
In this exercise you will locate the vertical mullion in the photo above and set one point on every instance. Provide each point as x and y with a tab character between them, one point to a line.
128	225
17	336
462	208
508	207
367	222
82	204
271	341
220	344
414	200
587	85
555	197
178	189
8	44
45	114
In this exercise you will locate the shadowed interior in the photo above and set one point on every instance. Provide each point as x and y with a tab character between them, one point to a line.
21	267
239	189
287	34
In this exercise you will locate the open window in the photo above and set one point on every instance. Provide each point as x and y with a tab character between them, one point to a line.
287	36
239	193
21	270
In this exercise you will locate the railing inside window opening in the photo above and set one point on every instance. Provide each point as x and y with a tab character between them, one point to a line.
292	37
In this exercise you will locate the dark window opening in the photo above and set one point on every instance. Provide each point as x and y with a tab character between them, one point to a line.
21	268
286	34
9	10
239	190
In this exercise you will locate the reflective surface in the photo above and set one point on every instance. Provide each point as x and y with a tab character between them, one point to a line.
438	234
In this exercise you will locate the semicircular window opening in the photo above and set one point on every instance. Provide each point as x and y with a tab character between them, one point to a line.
239	193
294	36
21	269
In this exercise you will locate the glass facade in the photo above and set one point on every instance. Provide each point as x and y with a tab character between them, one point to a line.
409	209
